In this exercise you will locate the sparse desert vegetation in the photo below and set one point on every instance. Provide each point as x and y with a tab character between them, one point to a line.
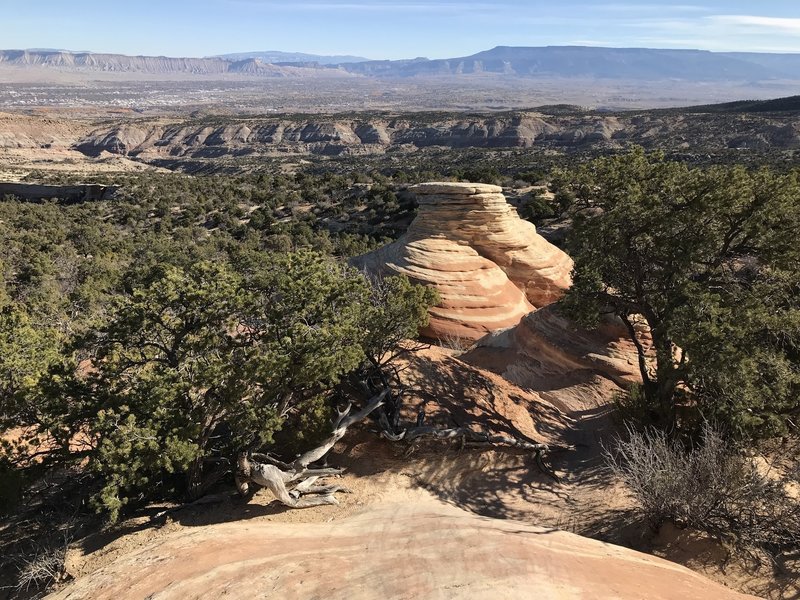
150	339
513	323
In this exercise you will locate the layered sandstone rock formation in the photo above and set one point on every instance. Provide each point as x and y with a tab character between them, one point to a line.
575	369
412	550
490	267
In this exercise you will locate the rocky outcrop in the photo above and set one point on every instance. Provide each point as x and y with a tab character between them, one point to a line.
414	550
23	131
489	266
124	139
65	193
573	368
341	136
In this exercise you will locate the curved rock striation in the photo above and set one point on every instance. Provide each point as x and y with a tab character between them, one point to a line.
490	267
573	368
413	550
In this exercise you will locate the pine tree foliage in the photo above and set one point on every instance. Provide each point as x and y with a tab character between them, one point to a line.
199	361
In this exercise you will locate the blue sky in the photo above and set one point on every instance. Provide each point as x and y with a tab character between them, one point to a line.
386	29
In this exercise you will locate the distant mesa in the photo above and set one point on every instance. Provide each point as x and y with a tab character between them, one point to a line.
489	266
276	56
576	62
89	62
646	64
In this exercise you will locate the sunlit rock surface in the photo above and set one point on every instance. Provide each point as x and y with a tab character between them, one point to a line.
413	550
574	368
490	267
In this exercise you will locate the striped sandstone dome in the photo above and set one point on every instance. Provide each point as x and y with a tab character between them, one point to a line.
490	267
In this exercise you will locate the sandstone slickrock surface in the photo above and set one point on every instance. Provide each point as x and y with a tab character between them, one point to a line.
490	267
414	550
573	368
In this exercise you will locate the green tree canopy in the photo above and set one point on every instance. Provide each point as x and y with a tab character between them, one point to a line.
709	258
199	361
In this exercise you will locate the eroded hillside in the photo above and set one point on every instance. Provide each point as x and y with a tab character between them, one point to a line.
169	141
383	133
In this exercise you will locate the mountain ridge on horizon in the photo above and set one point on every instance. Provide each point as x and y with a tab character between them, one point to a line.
599	61
572	61
275	56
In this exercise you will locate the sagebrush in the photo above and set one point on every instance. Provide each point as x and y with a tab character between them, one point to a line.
711	487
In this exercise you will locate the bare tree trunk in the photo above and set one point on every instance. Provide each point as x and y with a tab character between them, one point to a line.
276	479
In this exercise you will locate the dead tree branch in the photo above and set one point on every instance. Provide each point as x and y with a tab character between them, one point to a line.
476	439
276	475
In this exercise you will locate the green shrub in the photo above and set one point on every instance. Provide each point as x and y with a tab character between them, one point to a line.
200	361
535	208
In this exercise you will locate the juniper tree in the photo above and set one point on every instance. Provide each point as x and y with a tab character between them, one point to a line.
199	362
709	258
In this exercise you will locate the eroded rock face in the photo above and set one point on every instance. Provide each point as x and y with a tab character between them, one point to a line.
23	131
573	368
490	267
413	550
158	139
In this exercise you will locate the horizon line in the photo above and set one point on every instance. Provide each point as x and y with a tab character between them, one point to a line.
223	56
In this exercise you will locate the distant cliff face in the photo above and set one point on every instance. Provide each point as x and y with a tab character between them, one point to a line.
154	65
326	136
634	64
646	64
275	57
114	62
376	134
698	130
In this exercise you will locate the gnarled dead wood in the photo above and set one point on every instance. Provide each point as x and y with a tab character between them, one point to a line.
277	476
475	439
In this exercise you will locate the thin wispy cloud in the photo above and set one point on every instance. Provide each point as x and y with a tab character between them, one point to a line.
630	7
784	24
719	32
